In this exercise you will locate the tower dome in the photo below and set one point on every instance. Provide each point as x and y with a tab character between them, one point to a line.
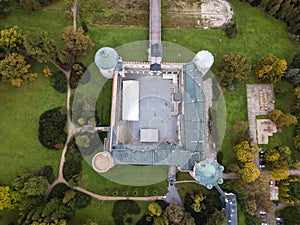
106	59
203	61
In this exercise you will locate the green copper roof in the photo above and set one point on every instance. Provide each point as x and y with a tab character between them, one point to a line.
208	173
106	58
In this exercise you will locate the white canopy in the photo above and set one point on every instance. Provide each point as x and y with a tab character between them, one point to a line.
130	103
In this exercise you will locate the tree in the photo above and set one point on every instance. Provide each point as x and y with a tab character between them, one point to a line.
187	219
280	173
270	69
11	40
234	67
15	70
244	152
249	172
275	115
9	199
296	141
174	213
40	47
154	210
230	29
295	61
281	119
197	205
217	218
162	220
76	42
35	186
272	155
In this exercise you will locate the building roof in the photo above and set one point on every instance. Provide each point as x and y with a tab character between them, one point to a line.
208	173
106	58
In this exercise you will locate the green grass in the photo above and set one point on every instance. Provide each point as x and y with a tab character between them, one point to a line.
52	22
101	213
20	109
129	174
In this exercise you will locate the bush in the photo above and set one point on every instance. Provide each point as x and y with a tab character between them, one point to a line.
58	191
123	209
81	200
73	161
77	71
59	81
48	173
52	125
230	29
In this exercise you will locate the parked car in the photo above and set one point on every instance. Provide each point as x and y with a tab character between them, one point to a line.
263	214
264	223
276	203
278	222
262	164
278	218
261	154
271	182
163	197
276	183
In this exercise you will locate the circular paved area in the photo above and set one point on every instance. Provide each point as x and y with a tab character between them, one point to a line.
102	162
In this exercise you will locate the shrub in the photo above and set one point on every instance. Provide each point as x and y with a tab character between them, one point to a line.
59	81
123	209
230	29
48	173
52	125
155	192
81	200
73	162
146	193
58	191
77	71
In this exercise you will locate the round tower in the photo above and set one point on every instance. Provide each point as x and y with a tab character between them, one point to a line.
203	61
106	59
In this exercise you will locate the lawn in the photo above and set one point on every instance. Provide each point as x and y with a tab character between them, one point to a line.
104	185
101	213
20	109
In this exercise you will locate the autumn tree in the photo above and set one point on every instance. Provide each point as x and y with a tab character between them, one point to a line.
244	152
197	205
249	172
15	70
217	218
280	173
174	213
270	69
40	47
9	198
154	210
11	40
77	42
281	119
272	155
234	68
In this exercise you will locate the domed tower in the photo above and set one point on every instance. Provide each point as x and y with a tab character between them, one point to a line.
106	59
203	61
208	173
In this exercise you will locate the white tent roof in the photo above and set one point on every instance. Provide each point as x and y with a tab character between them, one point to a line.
149	135
130	103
